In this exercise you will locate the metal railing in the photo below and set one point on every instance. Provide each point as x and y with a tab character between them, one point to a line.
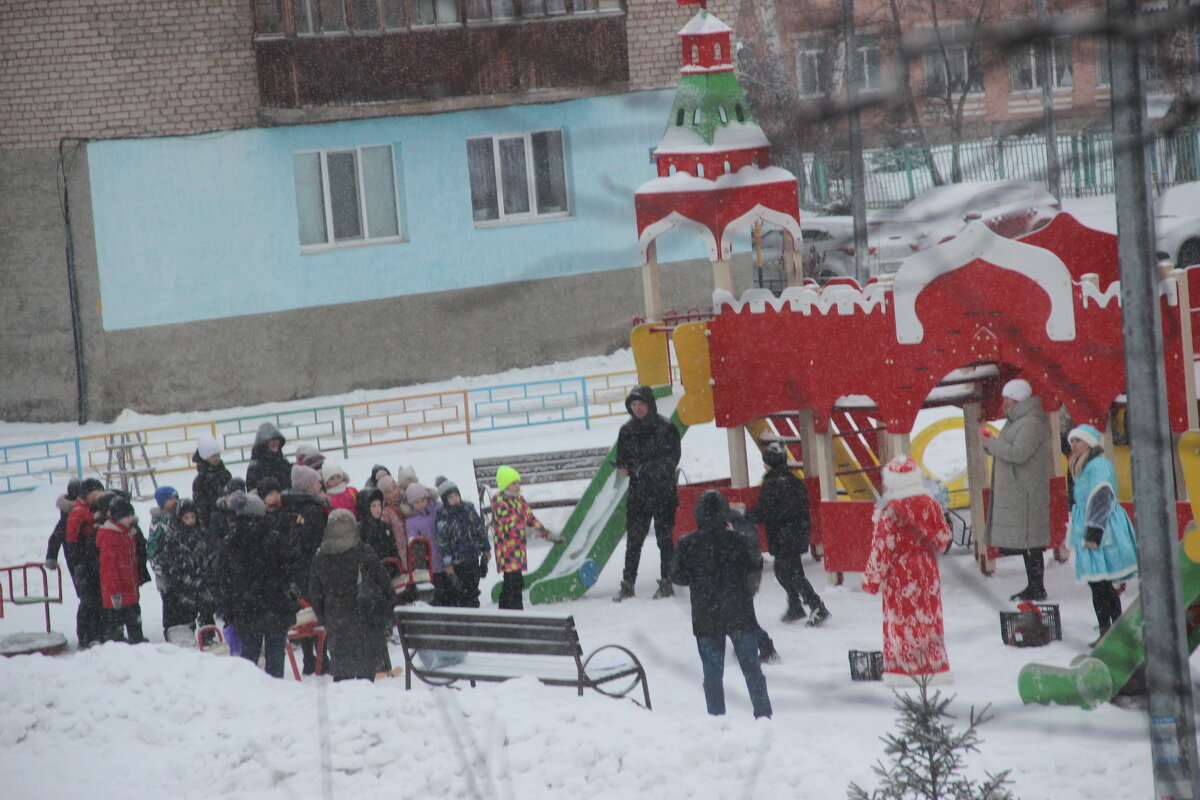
395	420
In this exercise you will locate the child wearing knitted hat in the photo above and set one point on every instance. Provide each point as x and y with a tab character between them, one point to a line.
511	517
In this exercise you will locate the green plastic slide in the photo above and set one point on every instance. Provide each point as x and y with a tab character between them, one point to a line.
1096	678
592	532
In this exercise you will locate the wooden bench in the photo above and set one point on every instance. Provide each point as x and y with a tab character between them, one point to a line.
444	645
556	467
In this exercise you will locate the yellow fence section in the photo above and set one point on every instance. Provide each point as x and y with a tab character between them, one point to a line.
406	419
167	448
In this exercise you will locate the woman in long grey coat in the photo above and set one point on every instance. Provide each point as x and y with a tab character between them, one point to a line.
1019	513
357	647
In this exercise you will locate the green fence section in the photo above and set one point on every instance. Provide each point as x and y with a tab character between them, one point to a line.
895	176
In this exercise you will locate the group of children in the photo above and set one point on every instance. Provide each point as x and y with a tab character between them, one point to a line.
250	551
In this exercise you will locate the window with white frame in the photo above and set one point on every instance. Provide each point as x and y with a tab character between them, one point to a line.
346	197
811	69
867	48
518	177
434	12
1152	72
1023	66
953	69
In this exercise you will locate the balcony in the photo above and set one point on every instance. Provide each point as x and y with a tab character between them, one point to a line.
336	53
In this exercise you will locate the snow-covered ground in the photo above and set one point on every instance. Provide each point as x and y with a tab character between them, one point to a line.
157	721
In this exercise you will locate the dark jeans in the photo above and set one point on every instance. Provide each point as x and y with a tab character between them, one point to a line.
1107	603
712	657
510	591
638	526
789	571
466	593
274	646
124	624
176	611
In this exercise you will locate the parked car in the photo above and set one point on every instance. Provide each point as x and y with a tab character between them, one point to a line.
1177	224
1010	208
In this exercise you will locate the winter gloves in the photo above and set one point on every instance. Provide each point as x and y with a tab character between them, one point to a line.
1093	535
484	558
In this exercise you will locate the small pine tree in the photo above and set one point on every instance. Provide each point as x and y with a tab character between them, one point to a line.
927	755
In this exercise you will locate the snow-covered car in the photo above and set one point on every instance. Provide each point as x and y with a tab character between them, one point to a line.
1010	208
1177	224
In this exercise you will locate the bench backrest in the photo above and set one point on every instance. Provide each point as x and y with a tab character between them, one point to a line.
488	632
565	465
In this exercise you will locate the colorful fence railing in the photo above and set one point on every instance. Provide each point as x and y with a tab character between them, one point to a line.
370	423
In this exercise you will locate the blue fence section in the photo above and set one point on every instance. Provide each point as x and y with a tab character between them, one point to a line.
493	408
27	466
521	405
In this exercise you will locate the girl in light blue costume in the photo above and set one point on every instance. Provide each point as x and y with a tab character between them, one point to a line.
1101	534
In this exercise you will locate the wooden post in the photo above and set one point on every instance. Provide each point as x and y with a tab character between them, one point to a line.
977	477
818	461
651	284
723	275
739	470
1061	554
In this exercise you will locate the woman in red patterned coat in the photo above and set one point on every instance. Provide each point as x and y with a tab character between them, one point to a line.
910	530
511	515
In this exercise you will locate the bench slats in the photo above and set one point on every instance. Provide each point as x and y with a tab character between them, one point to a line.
486	630
473	645
505	618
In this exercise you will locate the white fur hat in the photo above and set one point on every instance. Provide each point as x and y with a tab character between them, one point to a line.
207	447
1017	389
902	474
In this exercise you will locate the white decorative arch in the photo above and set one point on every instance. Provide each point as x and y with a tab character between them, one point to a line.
978	242
777	218
664	224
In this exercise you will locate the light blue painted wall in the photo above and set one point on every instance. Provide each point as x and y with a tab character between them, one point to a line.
202	227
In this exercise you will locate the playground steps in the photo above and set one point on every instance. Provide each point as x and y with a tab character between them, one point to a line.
855	447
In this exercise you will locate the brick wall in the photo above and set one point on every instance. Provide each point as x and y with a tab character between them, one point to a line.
651	26
120	68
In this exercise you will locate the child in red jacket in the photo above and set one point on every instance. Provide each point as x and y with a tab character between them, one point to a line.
119	574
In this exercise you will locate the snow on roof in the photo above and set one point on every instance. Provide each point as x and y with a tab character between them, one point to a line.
703	23
748	175
734	136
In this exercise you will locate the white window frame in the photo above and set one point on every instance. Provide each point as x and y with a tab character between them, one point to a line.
956	52
867	46
530	181
811	56
1031	53
1152	79
331	244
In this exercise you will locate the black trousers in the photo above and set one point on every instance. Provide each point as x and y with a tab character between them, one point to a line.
1106	602
466	592
789	571
510	591
124	624
176	611
637	525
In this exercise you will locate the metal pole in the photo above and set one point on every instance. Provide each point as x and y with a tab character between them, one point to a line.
81	388
1168	680
858	188
1045	78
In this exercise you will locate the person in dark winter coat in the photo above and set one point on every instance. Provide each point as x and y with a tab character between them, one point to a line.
58	536
648	454
374	532
267	458
211	478
463	543
163	524
84	561
220	520
185	564
357	647
258	596
303	514
119	582
782	509
767	654
378	471
718	566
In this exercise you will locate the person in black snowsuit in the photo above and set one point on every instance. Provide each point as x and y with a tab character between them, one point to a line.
357	646
58	536
767	654
374	532
257	594
648	453
717	564
782	509
186	561
220	519
267	458
303	516
212	477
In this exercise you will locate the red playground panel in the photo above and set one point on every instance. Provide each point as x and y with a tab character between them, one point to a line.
685	516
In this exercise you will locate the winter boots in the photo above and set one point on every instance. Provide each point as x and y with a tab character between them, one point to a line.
1035	570
794	613
665	589
819	615
625	593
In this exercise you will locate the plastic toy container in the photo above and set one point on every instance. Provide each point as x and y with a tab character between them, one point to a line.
1035	626
866	665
